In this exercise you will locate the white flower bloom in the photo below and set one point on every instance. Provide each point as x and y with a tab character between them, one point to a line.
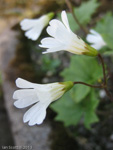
95	39
34	27
41	95
64	39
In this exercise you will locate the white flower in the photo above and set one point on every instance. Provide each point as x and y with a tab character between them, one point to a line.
64	39
95	39
34	27
41	95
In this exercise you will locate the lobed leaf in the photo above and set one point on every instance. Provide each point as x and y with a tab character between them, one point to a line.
71	113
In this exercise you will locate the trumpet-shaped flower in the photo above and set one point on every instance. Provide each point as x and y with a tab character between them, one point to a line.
41	95
62	38
95	39
34	27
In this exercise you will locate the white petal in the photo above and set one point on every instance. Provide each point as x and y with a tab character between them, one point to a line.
34	33
21	83
42	95
57	94
34	27
60	32
65	20
95	39
28	115
94	32
57	30
71	47
49	42
38	117
36	114
28	23
48	94
96	46
54	49
41	117
62	35
18	94
25	98
92	38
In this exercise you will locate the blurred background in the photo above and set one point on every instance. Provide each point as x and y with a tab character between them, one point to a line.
83	118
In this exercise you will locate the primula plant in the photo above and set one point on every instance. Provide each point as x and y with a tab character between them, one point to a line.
85	76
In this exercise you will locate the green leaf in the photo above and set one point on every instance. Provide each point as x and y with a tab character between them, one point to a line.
85	11
105	28
79	92
108	53
84	69
90	118
71	113
90	107
67	110
81	101
83	14
80	70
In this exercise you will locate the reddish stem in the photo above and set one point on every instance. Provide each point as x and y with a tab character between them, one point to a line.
93	86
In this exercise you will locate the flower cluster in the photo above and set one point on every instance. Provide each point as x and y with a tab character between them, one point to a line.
62	38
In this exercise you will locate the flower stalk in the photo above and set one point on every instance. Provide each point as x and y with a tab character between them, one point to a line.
103	85
105	79
93	86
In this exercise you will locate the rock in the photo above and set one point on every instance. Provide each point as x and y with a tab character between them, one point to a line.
37	136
